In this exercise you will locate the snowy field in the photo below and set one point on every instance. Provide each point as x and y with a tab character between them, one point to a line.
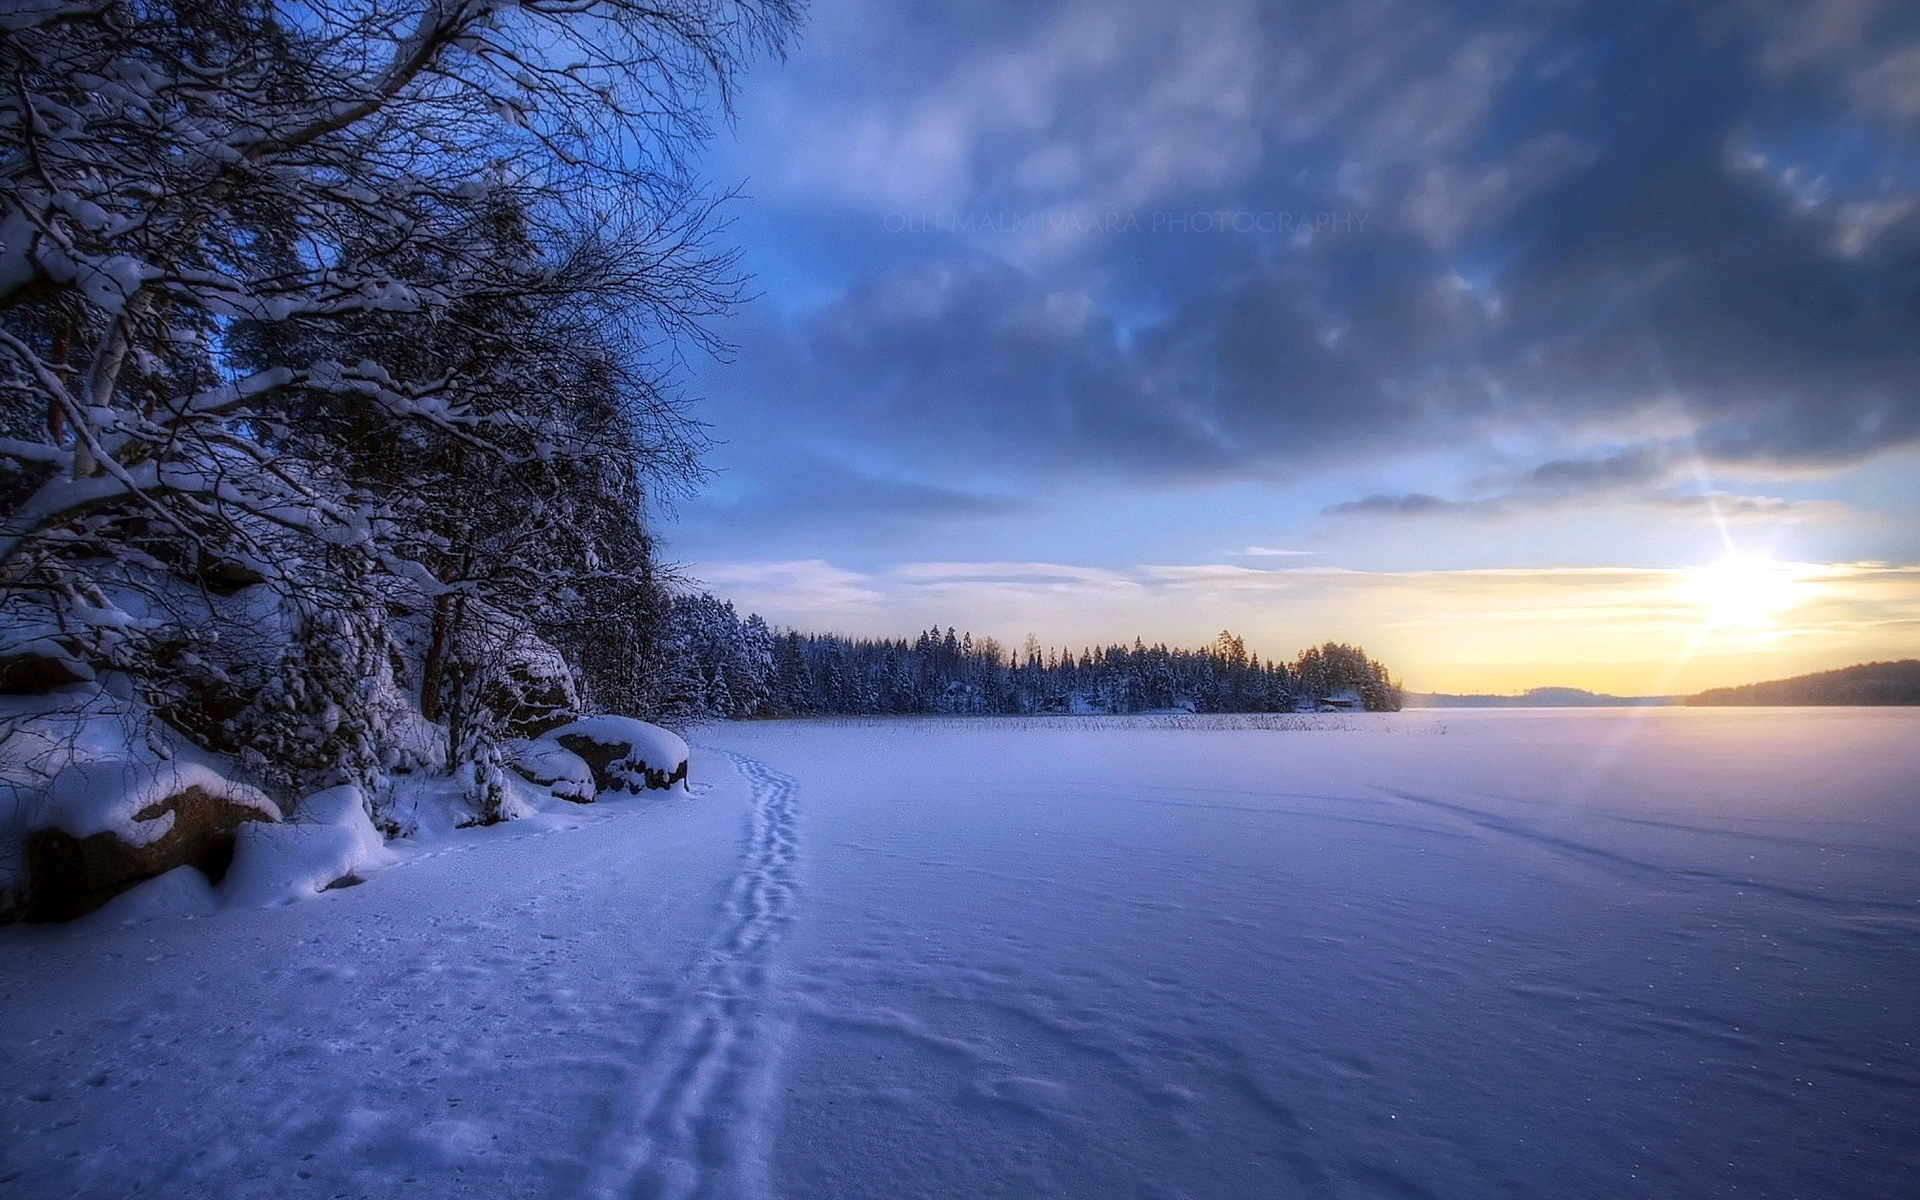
1615	953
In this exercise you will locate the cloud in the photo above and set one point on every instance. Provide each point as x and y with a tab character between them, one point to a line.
974	361
815	489
807	585
1114	106
1730	506
1415	504
1630	235
1801	35
1635	464
1452	199
1647	474
1891	86
1723	507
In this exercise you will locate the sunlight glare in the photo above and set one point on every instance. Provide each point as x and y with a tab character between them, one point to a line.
1743	591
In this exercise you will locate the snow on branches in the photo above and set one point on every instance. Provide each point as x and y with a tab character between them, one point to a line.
372	305
726	667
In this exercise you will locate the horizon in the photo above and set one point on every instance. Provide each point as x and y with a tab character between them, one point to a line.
1048	650
1651	632
1476	340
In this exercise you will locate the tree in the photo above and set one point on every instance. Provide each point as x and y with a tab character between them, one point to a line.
371	305
942	673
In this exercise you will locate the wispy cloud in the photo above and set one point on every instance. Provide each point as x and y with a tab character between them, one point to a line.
1410	504
802	586
1726	507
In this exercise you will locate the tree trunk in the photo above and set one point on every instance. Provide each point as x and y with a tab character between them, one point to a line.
433	670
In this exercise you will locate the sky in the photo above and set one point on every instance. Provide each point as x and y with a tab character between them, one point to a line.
1522	342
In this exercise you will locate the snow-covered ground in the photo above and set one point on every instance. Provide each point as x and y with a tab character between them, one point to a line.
1577	953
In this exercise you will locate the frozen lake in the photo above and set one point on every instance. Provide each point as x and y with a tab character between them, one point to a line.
1575	953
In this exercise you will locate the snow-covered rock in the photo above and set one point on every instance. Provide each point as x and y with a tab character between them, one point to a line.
547	763
624	754
137	802
535	691
106	825
328	843
40	665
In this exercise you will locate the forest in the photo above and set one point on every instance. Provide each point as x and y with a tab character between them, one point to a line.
1878	683
729	667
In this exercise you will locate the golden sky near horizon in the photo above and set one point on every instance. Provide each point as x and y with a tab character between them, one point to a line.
1628	631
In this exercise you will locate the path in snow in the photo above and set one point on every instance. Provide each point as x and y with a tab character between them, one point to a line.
703	1087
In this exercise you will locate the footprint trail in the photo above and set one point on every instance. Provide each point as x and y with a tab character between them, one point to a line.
694	1119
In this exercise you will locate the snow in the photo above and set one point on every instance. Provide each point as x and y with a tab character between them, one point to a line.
106	797
329	839
181	892
1568	953
48	648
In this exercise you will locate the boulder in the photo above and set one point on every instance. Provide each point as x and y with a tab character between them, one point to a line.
625	755
107	826
39	666
532	700
552	766
530	686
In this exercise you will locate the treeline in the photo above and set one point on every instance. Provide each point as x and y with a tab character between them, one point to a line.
731	667
1878	683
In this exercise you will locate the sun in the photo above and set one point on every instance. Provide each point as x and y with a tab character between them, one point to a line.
1743	591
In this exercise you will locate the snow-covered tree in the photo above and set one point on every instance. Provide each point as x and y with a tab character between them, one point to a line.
939	672
373	305
722	666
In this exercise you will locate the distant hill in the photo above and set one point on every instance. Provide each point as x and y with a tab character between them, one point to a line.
1868	683
1542	697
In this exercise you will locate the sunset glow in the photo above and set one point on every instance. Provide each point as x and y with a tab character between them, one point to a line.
1625	630
1745	592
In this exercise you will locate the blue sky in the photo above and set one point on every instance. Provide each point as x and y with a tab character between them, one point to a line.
1062	301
